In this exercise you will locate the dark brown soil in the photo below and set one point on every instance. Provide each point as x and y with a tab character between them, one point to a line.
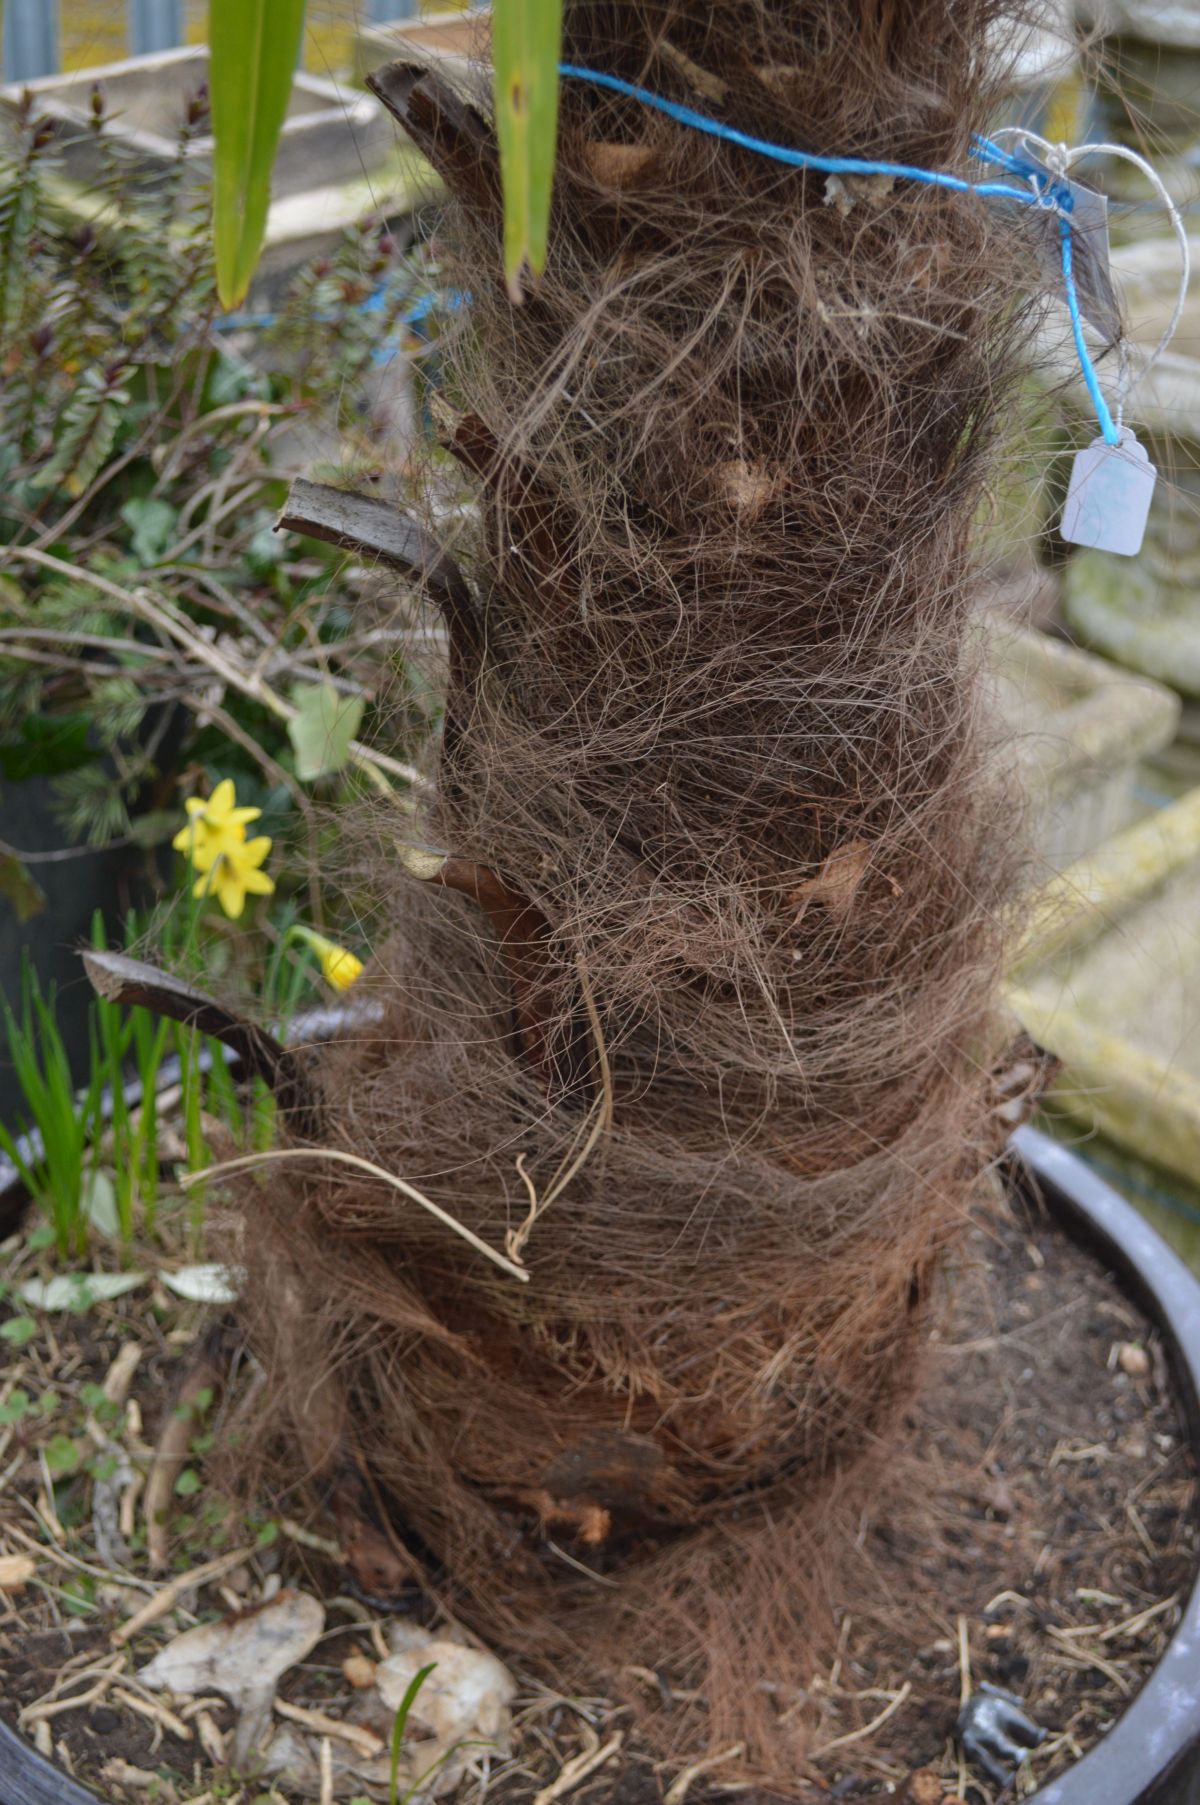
1039	1527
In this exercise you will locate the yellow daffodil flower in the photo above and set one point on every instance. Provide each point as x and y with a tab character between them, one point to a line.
215	842
339	967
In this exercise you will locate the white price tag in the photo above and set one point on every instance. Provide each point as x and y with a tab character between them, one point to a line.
1108	500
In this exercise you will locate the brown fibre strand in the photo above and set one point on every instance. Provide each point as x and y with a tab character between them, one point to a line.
715	761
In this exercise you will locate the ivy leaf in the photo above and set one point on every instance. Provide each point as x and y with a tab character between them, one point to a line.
62	1455
20	889
151	522
322	729
18	1330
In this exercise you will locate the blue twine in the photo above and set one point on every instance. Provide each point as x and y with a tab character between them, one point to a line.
1040	190
1107	425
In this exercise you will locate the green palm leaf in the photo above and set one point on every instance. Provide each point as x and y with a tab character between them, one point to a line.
253	49
526	35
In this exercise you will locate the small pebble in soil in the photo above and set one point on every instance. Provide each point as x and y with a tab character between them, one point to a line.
1133	1360
102	1720
359	1671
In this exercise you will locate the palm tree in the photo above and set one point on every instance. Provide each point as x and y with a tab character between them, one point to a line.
686	997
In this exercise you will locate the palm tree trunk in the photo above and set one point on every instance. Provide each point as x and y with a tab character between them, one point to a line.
693	1019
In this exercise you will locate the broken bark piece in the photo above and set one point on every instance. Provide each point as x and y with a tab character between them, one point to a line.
243	1656
378	1572
382	1571
376	529
118	979
842	191
619	166
589	1523
1020	1079
703	81
457	140
467	1694
617	1469
16	1570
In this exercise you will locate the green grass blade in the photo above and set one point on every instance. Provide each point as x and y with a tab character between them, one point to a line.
526	37
398	1726
253	50
26	1173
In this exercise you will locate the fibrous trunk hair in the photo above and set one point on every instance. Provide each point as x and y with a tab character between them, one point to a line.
711	731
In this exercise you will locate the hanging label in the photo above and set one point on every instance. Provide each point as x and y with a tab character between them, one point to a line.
1108	500
1090	252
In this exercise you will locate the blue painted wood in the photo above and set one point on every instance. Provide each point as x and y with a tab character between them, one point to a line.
30	39
386	12
154	25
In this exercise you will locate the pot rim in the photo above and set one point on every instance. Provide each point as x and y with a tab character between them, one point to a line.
1160	1728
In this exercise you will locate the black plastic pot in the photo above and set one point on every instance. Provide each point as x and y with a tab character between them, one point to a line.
74	889
1151	1756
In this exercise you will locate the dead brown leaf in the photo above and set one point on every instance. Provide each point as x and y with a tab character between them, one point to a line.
619	165
16	1570
747	488
837	883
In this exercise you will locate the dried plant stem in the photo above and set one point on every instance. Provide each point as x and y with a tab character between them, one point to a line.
168	1596
868	1729
377	767
274	1156
598	1122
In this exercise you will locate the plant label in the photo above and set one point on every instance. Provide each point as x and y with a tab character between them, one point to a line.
1108	500
1089	246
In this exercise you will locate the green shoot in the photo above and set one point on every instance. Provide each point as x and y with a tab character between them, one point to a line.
406	1704
68	1124
187	1046
149	1047
222	1091
110	1037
